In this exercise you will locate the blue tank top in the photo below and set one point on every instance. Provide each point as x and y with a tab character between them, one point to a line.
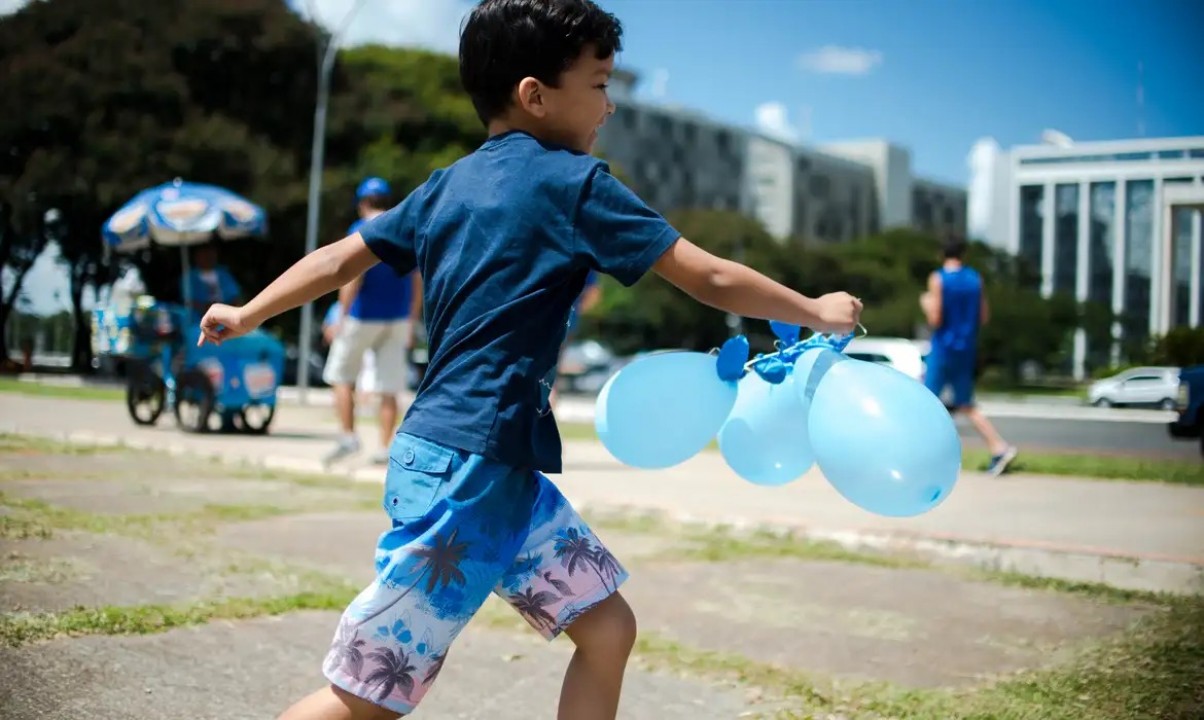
961	308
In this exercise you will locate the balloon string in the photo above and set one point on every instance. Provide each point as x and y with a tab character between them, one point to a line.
792	352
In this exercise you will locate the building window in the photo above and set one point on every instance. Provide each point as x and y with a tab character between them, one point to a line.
1032	220
820	185
1139	248
1181	268
1102	242
723	141
1066	238
1180	259
1100	252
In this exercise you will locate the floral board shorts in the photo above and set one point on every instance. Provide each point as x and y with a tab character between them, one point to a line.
463	527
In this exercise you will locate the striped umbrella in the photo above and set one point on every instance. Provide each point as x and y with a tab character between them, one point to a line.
182	213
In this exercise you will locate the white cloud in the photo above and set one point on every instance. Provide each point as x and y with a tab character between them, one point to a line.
432	24
773	119
659	86
839	60
981	161
8	7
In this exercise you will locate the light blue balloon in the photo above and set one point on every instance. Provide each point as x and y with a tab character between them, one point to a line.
809	369
765	438
663	409
883	440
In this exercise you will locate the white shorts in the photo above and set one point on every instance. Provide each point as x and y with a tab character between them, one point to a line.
386	341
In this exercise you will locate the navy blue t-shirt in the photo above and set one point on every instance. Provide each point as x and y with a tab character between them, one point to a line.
384	295
505	239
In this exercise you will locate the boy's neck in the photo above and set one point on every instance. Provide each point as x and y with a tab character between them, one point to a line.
953	264
505	124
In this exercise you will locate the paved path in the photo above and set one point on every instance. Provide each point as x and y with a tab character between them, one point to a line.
125	530
1139	535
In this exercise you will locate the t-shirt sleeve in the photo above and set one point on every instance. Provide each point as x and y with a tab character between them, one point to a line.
391	235
617	231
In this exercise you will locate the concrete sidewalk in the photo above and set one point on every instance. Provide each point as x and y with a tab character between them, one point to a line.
1134	535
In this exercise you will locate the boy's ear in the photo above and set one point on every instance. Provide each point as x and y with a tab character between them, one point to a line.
530	96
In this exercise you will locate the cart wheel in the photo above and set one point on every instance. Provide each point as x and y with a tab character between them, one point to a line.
194	401
256	418
145	394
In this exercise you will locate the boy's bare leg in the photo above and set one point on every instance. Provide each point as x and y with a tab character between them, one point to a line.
604	637
335	703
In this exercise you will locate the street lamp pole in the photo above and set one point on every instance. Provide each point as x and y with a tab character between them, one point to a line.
317	158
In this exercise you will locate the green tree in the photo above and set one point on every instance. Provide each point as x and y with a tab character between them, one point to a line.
115	96
1181	347
654	314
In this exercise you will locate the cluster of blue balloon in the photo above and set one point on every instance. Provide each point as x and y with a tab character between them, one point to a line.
883	440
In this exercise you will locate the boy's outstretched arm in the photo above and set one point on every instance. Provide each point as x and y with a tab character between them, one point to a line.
738	289
327	268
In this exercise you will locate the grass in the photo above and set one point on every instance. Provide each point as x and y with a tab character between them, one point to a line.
721	545
72	392
1103	467
30	445
1150	672
36	518
20	629
20	527
701	543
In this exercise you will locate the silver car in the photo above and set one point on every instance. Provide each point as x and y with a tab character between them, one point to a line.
1147	386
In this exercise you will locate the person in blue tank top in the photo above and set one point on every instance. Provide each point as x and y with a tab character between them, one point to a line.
504	239
376	324
955	307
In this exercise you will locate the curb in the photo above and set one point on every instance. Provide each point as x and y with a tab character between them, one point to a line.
1076	564
1084	564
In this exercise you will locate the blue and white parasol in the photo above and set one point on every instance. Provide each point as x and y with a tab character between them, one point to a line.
182	213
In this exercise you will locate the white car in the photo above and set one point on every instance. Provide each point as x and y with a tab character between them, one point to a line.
1156	386
906	356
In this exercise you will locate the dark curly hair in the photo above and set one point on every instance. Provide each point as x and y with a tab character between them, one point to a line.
504	41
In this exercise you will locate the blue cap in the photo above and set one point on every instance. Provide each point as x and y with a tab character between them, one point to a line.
372	186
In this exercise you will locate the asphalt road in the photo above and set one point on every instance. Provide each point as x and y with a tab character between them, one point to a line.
1113	437
1046	425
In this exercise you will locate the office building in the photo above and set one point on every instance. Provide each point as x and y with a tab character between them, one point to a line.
676	159
1115	223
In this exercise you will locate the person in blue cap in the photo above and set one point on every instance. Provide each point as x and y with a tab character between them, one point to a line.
505	238
377	315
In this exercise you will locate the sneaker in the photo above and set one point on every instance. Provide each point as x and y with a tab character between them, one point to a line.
347	445
380	457
999	463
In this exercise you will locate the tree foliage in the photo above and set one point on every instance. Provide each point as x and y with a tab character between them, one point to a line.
112	96
119	95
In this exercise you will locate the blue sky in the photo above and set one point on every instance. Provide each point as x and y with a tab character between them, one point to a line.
935	75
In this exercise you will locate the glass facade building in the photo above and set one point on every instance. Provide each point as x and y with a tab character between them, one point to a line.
1093	222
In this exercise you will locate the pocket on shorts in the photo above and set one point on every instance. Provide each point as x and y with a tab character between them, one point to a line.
417	470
